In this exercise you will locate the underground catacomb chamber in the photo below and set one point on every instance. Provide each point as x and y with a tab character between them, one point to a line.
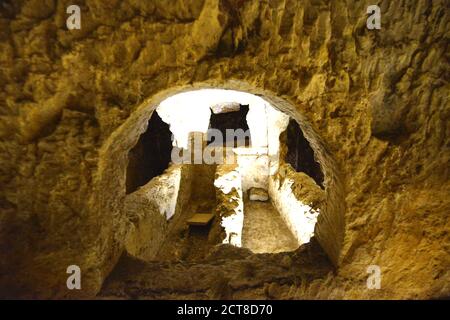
220	167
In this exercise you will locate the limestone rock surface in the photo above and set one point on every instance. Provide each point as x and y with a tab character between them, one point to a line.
258	194
373	104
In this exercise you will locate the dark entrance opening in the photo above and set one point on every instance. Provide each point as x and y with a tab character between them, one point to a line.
300	155
151	155
232	120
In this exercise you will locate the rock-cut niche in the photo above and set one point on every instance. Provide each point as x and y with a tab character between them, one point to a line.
263	193
151	154
235	120
300	155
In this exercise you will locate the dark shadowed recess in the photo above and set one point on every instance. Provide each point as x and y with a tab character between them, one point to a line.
300	155
231	120
151	155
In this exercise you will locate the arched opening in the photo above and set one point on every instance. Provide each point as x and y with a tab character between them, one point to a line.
224	177
155	215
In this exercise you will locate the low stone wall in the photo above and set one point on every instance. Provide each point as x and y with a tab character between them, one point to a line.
152	206
230	204
297	198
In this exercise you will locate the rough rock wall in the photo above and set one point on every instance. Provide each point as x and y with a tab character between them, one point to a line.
377	99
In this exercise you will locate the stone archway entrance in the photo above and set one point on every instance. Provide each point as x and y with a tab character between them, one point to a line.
329	229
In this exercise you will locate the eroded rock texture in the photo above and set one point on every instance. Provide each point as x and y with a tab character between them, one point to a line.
372	103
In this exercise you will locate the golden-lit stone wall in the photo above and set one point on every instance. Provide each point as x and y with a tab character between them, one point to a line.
374	104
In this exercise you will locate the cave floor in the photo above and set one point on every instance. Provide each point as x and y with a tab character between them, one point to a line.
227	273
193	266
264	230
188	243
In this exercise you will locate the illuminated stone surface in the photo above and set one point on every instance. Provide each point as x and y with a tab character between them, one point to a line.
201	219
258	194
372	103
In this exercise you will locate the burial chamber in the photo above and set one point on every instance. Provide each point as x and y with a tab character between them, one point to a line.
372	105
